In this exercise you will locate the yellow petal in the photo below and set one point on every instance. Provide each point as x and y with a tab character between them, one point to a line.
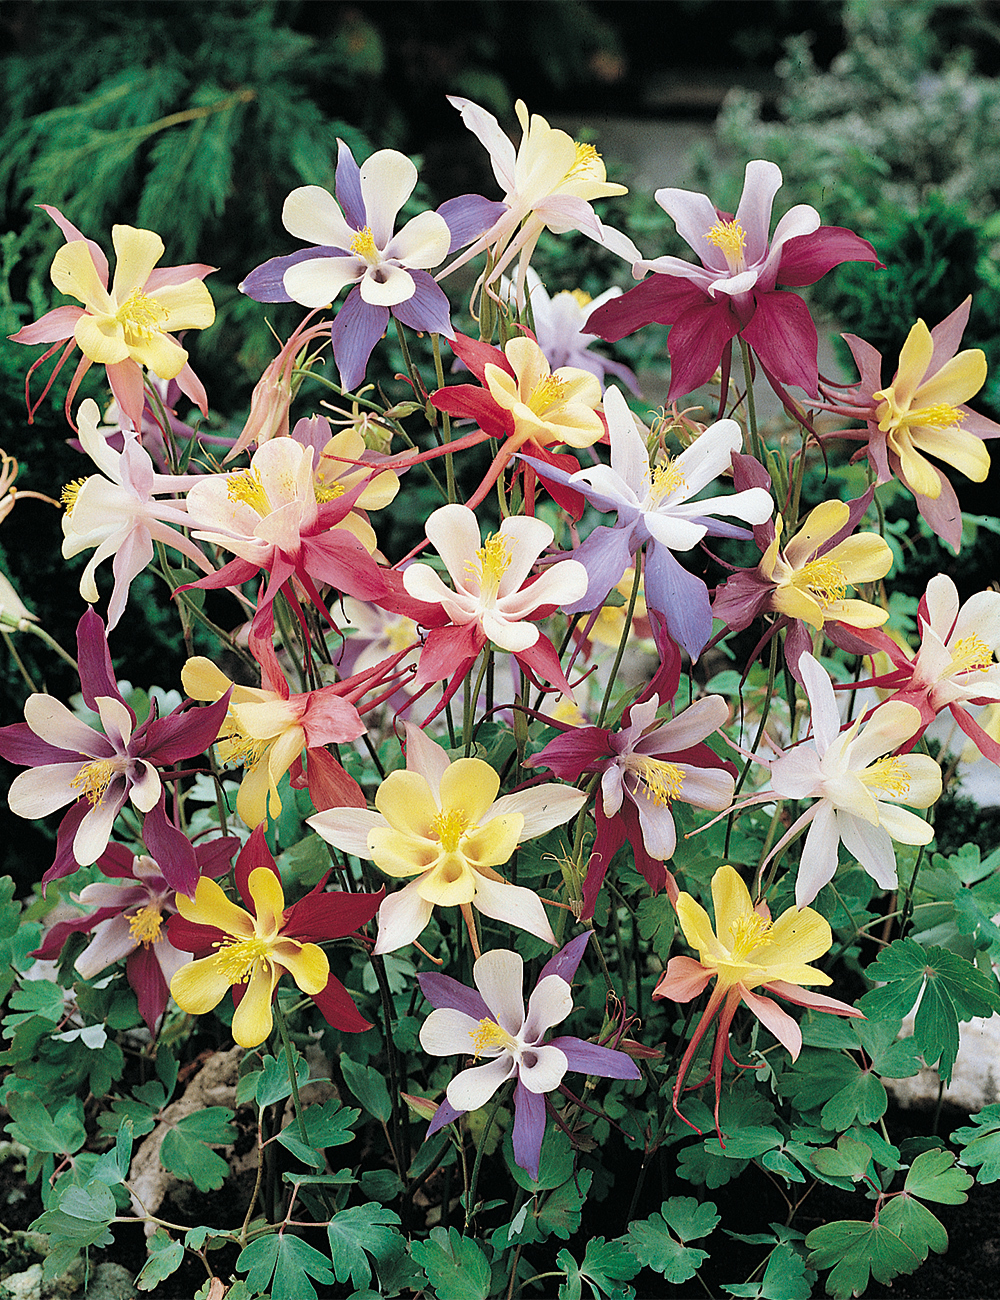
864	557
306	963
796	937
199	986
136	253
450	882
913	362
162	354
73	272
921	476
189	306
102	339
471	785
956	382
493	843
732	903
405	800
819	526
265	719
697	928
856	613
252	1019
202	680
399	854
211	906
252	798
964	451
795	603
268	900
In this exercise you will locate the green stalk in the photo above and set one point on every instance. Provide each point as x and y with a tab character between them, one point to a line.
449	460
622	643
286	1042
470	1200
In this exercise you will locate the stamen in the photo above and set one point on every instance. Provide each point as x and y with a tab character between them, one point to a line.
581	298
246	486
236	958
749	933
400	633
93	779
823	579
587	165
550	392
663	780
327	492
489	1034
363	245
491	563
940	416
237	747
888	775
970	655
449	826
666	479
70	493
731	238
140	317
144	925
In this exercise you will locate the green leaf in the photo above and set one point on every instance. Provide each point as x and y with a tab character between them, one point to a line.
704	1163
61	1134
953	990
607	1267
272	1080
652	1245
381	1185
657	923
559	1212
745	1144
864	1098
933	1177
915	1225
165	1257
355	1231
555	1165
848	1160
784	1278
368	1085
81	1219
184	1151
856	1249
289	1259
980	1143
328	1125
454	1265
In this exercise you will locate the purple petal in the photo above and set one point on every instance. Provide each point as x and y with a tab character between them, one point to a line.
170	850
660	299
944	515
529	1129
443	991
806	258
65	863
565	962
19	744
680	597
357	327
605	555
444	1114
590	1058
266	283
97	676
184	732
783	335
696	342
146	977
348	187
427	309
608	840
468	216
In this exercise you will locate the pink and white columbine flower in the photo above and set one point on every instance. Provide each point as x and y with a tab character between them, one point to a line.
735	289
857	778
116	512
492	600
490	1021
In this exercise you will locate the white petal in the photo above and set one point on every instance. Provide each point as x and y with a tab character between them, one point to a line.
51	721
94	831
541	1069
318	281
41	790
387	181
822	702
386	285
453	531
401	917
872	846
110	941
513	904
499	976
312	214
550	1003
448	1032
346	828
473	1088
422	243
542	807
145	788
426	758
116	721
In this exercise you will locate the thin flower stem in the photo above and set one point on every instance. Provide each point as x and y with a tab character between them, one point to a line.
20	663
286	1042
771	673
755	439
626	629
470	1208
25	626
400	1144
472	699
449	460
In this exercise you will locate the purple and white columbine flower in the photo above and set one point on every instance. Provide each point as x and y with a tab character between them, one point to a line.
656	507
492	1023
95	772
353	243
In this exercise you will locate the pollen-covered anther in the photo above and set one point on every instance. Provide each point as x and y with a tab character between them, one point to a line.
489	1034
449	826
666	478
491	563
140	317
587	165
93	779
731	239
236	957
749	933
70	493
550	391
823	579
144	925
246	487
970	655
942	415
363	245
889	775
328	491
237	747
663	781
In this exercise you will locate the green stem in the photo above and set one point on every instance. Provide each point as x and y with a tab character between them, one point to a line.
286	1042
755	441
26	626
401	1156
20	663
449	460
771	673
472	700
626	629
470	1207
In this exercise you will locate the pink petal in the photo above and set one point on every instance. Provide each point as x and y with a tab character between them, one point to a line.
683	980
779	1022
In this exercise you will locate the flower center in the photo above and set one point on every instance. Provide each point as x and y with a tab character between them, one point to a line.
893	418
238	747
823	579
888	775
144	925
663	780
448	827
70	493
970	655
327	491
140	317
731	238
490	1034
236	958
363	245
587	166
666	479
247	488
400	633
491	563
580	297
93	779
749	933
545	395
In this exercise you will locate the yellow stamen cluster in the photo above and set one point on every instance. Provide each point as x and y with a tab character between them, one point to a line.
823	579
970	655
547	394
140	317
731	238
400	633
888	775
363	245
663	780
328	492
749	933
236	958
144	925
70	493
237	747
246	487
666	478
587	165
581	297
489	1034
93	779
449	826
491	563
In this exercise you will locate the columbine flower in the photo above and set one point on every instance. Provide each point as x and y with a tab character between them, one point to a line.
857	779
657	507
129	922
442	823
255	946
492	1023
354	244
922	413
746	951
492	600
132	325
267	729
735	289
116	512
645	769
341	465
806	581
550	181
955	665
95	772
